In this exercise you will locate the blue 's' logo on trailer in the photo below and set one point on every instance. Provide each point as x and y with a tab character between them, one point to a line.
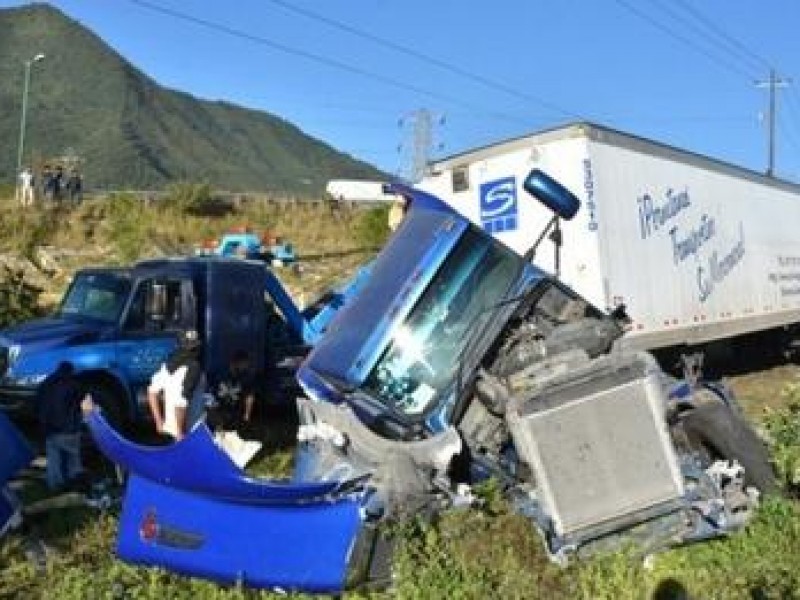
499	205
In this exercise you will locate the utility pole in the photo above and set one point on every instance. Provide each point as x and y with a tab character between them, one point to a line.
420	125
25	86
772	83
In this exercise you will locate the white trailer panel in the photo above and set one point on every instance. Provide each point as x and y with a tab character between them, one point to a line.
697	249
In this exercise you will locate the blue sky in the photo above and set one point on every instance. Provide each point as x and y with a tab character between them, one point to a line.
354	72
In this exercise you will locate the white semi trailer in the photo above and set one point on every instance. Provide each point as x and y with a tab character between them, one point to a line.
696	249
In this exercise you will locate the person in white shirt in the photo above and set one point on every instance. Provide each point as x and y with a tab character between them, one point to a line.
175	394
26	188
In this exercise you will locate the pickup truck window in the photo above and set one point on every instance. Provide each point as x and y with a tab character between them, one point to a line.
175	317
99	296
421	361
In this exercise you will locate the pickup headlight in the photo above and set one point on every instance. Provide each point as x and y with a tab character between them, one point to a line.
13	354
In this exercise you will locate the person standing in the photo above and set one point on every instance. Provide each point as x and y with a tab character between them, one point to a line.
74	187
26	184
175	394
48	184
59	412
58	183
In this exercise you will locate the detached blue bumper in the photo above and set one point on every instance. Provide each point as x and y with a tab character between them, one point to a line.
188	508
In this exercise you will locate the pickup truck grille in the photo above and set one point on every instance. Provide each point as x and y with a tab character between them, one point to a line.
3	361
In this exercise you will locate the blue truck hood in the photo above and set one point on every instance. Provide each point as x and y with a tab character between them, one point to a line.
51	331
219	523
424	240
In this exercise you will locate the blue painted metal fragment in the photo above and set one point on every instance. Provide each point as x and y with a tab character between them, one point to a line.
291	546
190	509
196	464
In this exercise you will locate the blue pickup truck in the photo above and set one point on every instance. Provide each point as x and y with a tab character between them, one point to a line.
116	326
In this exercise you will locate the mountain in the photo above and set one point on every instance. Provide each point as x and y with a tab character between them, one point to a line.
87	100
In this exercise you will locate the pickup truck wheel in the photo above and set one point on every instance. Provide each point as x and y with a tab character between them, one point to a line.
716	432
111	404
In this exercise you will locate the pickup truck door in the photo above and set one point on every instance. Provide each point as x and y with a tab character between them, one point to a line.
145	343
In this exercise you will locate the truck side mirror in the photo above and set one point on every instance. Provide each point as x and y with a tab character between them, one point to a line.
552	194
155	306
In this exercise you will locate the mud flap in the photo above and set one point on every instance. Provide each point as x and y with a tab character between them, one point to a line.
189	508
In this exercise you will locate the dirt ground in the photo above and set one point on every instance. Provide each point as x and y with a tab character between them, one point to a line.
762	389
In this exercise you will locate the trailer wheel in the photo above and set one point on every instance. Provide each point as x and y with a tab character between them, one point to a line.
715	432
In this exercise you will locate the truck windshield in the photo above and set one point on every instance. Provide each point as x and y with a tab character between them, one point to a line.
99	296
421	361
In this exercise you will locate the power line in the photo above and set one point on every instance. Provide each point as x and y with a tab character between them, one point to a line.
324	60
744	50
703	33
446	66
682	38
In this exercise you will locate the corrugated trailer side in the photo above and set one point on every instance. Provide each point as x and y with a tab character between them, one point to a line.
698	250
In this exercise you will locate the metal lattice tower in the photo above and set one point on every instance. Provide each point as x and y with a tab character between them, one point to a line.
419	142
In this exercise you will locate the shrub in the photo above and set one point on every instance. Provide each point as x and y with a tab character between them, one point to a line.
19	300
128	231
372	228
783	429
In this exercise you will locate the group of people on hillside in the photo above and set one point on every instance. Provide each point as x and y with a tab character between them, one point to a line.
54	186
177	399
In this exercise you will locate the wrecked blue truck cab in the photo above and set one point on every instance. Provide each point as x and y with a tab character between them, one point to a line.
456	362
457	334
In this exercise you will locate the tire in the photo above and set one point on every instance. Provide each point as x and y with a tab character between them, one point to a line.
110	402
716	432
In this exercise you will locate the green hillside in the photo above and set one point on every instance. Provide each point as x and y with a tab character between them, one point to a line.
130	131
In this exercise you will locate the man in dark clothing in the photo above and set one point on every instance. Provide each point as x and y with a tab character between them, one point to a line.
233	410
59	412
235	395
58	183
74	187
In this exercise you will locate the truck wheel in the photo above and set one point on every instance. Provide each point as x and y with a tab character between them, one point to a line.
110	402
717	433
